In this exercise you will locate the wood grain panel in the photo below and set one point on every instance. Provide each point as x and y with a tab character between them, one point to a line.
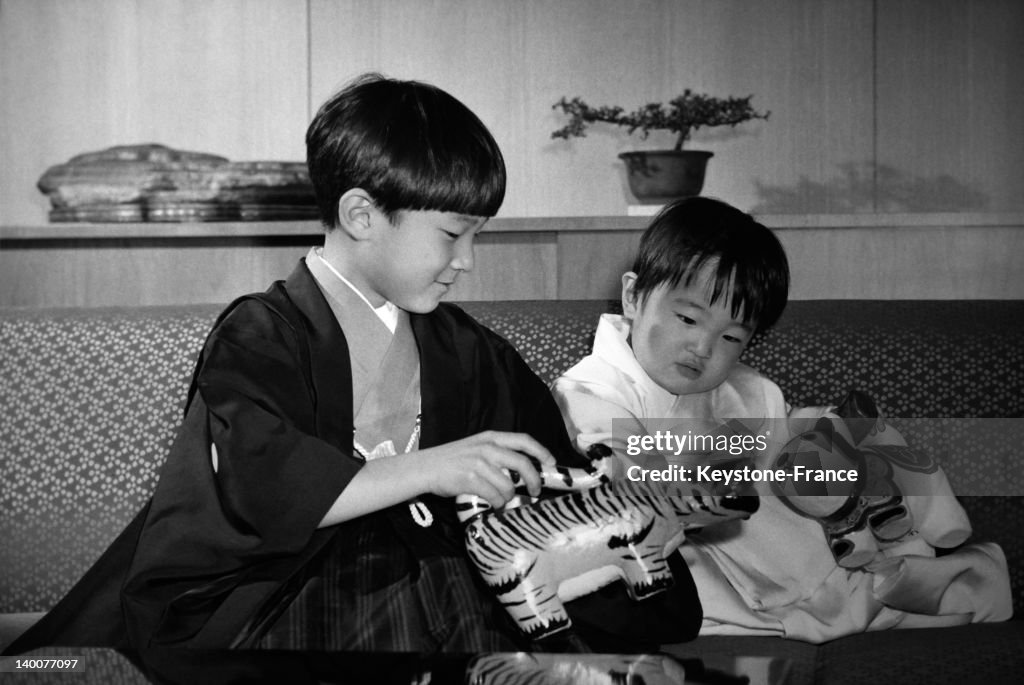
606	52
899	257
141	272
905	263
521	266
239	77
872	262
228	77
591	265
473	50
809	62
950	97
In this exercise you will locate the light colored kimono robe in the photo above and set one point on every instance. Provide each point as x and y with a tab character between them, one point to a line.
775	574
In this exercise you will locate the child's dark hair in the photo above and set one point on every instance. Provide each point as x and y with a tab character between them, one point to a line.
410	145
750	267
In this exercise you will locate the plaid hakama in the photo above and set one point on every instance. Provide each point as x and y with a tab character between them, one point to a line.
368	592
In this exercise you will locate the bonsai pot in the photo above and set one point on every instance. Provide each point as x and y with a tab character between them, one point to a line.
665	174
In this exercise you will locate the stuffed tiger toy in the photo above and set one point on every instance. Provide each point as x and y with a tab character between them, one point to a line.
538	554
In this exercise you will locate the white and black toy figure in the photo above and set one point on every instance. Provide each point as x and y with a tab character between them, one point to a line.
536	554
899	503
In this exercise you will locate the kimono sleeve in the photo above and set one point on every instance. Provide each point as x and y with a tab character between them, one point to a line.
276	476
221	533
591	409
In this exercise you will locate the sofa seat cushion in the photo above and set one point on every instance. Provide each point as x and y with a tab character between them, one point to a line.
921	358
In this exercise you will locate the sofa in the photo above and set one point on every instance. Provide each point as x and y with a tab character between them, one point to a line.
90	400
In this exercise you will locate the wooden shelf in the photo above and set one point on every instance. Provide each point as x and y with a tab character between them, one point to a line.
218	229
564	224
900	220
257	229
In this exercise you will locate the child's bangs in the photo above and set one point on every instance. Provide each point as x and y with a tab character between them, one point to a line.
727	282
702	242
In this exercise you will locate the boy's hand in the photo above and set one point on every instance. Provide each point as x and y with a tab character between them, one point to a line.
473	466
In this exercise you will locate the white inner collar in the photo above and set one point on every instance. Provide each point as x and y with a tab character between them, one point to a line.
387	312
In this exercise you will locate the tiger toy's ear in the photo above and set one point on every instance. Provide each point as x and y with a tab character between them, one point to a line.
603	463
599	451
860	413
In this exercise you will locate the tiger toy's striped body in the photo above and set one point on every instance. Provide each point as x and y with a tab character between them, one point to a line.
537	555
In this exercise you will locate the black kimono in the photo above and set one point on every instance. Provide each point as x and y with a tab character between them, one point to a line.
216	558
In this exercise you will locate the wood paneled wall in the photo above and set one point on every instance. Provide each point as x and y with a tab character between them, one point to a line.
950	106
901	105
952	256
228	77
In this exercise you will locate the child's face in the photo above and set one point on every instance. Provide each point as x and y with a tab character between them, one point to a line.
420	255
684	343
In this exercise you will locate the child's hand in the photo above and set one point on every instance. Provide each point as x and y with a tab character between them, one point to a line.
473	466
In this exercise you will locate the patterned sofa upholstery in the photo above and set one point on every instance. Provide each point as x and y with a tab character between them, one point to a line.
90	400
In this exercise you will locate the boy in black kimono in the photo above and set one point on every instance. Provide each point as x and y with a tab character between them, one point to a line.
306	502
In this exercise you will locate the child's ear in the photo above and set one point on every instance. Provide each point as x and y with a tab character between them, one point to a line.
355	214
629	299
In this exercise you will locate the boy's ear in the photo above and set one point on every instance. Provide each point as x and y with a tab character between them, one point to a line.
355	214
629	299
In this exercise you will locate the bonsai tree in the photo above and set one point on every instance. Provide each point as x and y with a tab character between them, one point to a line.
683	115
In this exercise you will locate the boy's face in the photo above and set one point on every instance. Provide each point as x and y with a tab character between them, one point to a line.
684	343
420	255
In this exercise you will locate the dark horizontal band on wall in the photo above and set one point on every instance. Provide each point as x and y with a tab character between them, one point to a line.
559	224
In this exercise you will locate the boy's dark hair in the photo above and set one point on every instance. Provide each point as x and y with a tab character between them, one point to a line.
750	266
410	145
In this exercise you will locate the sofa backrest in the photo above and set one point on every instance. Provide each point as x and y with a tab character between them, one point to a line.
919	358
90	400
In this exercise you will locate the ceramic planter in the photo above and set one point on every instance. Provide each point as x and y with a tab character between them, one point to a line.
665	174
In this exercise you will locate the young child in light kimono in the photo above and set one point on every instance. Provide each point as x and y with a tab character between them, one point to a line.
706	279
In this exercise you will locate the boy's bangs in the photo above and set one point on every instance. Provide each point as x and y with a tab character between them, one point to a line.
440	157
459	181
410	145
